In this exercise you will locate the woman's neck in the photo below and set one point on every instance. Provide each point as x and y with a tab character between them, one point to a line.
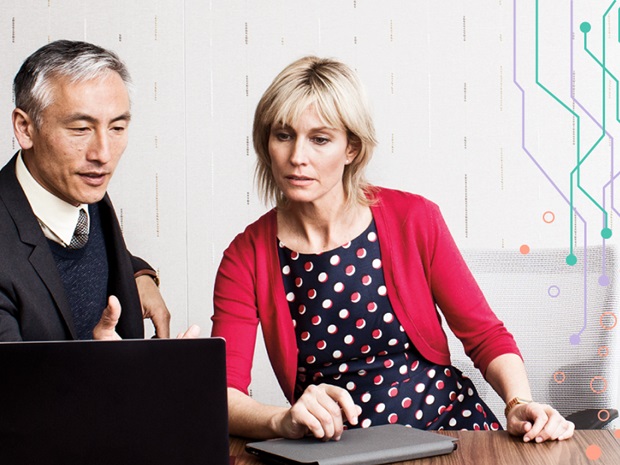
307	229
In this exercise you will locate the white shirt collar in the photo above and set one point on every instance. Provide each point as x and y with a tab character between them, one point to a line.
56	217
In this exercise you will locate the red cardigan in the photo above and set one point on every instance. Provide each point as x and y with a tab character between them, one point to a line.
423	270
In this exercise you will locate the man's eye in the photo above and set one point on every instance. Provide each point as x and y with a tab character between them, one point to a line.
79	130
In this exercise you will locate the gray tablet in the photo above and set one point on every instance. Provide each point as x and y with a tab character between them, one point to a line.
361	446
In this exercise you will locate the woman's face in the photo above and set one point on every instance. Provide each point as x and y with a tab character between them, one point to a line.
308	160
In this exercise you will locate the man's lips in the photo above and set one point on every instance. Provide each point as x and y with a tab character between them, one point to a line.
94	178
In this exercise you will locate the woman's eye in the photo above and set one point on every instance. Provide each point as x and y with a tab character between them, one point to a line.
321	140
283	136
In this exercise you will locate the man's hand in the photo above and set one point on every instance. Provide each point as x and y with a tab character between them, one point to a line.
153	306
106	328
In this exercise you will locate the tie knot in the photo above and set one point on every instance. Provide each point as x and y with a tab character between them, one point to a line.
80	235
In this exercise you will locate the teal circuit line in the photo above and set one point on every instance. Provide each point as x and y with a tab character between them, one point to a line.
571	259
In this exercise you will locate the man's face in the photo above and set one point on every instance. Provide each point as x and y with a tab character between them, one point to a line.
82	136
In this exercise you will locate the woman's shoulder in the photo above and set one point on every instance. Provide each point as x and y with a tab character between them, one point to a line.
399	200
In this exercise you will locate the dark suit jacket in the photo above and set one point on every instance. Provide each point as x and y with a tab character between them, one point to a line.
33	304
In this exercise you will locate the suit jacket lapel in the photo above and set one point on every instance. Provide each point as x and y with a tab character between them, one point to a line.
30	233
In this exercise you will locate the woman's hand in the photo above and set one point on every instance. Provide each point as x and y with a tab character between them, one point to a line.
538	422
320	411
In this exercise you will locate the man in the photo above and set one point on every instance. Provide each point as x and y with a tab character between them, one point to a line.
65	272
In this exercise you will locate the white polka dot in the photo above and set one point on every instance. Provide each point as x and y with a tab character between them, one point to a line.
430	399
380	407
366	423
322	277
461	397
337	354
286	270
419	388
327	303
431	373
466	413
419	414
332	329
348	339
290	296
376	263
344	314
372	236
338	287
366	397
470	392
403	369
361	372
452	422
382	290
351	386
393	342
343	368
346	245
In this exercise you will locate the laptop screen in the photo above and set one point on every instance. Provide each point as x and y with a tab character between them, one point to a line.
114	402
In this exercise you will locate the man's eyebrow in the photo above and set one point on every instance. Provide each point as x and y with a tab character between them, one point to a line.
90	119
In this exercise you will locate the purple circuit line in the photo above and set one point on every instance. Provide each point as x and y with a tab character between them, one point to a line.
542	170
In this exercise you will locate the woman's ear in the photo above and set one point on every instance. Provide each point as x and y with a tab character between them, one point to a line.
23	127
353	148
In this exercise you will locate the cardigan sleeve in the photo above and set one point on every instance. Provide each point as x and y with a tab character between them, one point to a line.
235	315
457	294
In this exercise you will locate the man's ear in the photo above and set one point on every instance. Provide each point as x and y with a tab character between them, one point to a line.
23	127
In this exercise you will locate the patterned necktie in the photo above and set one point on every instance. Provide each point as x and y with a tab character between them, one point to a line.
80	235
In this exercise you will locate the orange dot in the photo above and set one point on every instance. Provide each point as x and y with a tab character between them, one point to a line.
617	433
524	249
548	217
593	452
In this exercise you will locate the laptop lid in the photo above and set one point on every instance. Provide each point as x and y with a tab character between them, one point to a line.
154	401
361	446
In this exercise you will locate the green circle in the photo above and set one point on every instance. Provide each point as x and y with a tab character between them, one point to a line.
571	259
585	27
606	233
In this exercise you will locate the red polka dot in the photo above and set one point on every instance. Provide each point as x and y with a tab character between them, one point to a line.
360	323
366	280
414	365
378	380
476	427
310	359
294	255
370	360
301	309
440	384
441	409
389	363
355	297
298	282
321	345
447	372
316	320
376	334
312	293
346	245
406	403
365	349
452	396
305	336
372	307
308	266
392	418
479	408
349	270
361	252
393	392
494	426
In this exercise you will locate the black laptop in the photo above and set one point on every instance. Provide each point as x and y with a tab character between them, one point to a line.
156	402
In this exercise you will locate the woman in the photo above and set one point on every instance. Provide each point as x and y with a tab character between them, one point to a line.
345	277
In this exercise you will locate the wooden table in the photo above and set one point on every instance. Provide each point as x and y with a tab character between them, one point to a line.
499	448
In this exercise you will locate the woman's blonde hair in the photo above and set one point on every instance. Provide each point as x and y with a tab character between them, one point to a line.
338	97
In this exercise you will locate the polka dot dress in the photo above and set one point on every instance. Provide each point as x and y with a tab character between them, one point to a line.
348	335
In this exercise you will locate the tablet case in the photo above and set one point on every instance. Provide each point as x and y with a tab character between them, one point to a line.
362	446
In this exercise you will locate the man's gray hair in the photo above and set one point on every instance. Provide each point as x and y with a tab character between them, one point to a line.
77	61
